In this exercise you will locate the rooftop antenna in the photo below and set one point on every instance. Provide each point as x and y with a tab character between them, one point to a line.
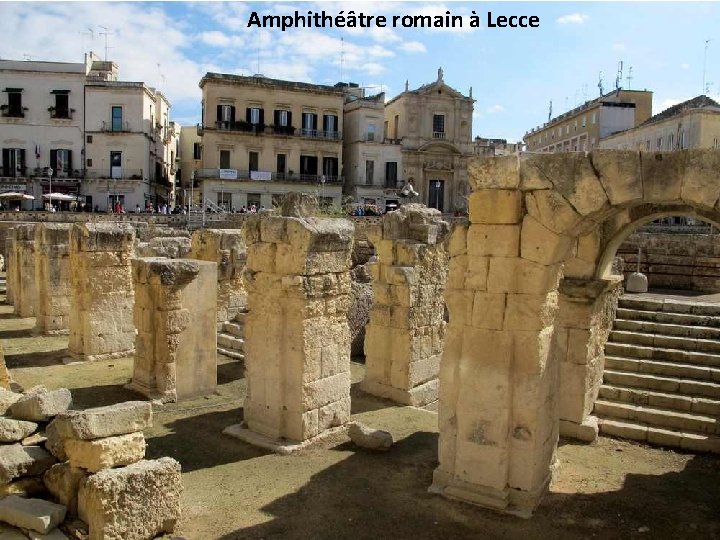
584	92
162	77
258	60
27	57
629	77
342	57
600	84
550	111
82	37
106	33
618	78
707	44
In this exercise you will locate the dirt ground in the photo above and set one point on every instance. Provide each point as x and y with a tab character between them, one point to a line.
611	489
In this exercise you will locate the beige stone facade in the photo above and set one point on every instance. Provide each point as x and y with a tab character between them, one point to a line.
404	338
433	124
582	128
52	273
297	340
227	248
101	301
263	138
176	342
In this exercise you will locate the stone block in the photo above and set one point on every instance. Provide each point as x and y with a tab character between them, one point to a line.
497	172
15	430
55	444
366	437
62	480
552	210
17	460
541	245
7	398
493	240
137	502
35	514
99	454
495	206
636	283
40	404
99	422
619	173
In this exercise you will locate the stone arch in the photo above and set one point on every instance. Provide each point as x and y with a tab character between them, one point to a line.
531	218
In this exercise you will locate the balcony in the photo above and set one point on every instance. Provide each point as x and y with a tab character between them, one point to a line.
283	130
60	114
438	134
121	174
121	127
320	134
12	112
210	174
245	127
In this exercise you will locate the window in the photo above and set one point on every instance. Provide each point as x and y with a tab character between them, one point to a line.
682	141
116	119
62	104
396	132
282	118
575	125
197	150
391	174
224	159
281	165
385	130
14	105
309	123
13	162
226	113
647	145
61	162
369	171
567	129
584	121
594	117
659	143
716	143
253	161
370	132
308	165
330	124
254	198
330	167
89	139
254	115
671	142
439	126
89	162
224	200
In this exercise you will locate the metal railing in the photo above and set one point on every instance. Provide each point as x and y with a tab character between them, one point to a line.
280	177
122	174
321	134
438	134
108	127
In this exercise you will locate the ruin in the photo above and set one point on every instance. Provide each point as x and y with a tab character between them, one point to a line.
404	338
175	346
52	278
297	336
101	300
25	293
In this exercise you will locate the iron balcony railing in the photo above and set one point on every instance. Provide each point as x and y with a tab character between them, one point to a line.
438	134
120	174
211	174
321	134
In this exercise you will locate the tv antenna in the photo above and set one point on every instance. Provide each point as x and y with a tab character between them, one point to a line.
106	33
600	84
618	78
584	92
707	44
629	77
162	77
82	37
258	60
342	57
550	111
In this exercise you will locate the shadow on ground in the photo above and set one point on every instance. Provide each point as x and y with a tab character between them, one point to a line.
21	333
36	359
103	394
384	496
230	371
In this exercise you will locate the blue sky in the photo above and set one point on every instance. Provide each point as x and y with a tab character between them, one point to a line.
514	73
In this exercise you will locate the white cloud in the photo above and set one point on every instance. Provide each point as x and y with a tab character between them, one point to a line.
573	18
618	46
216	38
495	109
667	103
413	47
371	68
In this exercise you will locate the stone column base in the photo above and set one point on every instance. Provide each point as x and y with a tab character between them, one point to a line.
586	431
151	393
506	501
74	357
279	446
419	396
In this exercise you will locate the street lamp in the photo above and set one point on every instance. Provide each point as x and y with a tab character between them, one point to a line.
50	173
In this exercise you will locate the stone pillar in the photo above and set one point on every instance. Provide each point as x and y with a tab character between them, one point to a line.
587	311
52	278
297	340
226	247
176	342
101	299
25	296
404	339
11	267
498	414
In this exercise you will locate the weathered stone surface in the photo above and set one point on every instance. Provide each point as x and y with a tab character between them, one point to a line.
299	205
25	293
7	398
25	487
176	342
40	404
55	444
137	502
36	514
106	453
15	430
496	206
11	533
498	173
636	283
99	422
52	276
55	534
63	482
17	460
367	437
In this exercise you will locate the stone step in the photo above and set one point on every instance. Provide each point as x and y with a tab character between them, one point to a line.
231	354
234	329
658	417
630	350
661	400
240	317
668	318
681	330
668	305
232	343
665	342
645	381
666	369
639	431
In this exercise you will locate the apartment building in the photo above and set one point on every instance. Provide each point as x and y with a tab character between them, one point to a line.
190	155
104	140
484	147
694	123
372	163
263	138
582	128
433	125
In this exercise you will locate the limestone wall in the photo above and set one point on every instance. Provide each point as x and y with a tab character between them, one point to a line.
404	339
101	300
227	248
52	278
297	338
25	295
10	266
675	261
174	313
